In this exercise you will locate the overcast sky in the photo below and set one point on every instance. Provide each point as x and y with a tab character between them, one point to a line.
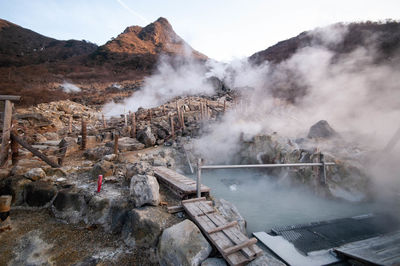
221	29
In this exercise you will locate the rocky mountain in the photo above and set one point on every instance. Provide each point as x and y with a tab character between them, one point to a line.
36	66
20	46
384	37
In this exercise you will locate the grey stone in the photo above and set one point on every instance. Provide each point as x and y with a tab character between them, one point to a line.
230	213
69	205
321	130
183	244
103	167
35	174
129	144
138	168
214	262
97	153
144	226
144	189
14	186
146	137
265	260
51	136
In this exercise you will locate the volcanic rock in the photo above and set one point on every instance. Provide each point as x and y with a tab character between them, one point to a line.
146	137
69	205
38	194
321	130
144	189
127	144
183	244
214	262
230	213
35	174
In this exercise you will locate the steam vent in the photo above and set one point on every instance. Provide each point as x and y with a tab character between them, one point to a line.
141	150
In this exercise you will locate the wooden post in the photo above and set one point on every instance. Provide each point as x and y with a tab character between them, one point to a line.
34	151
104	121
84	135
163	109
125	120
63	149
133	130
14	145
224	106
6	132
172	125
198	179
70	124
182	120
116	143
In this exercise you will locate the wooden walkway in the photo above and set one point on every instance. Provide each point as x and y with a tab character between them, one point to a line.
235	247
181	185
381	250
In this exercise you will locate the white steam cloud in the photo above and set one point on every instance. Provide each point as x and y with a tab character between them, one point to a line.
174	77
69	87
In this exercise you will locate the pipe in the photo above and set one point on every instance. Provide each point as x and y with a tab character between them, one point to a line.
264	165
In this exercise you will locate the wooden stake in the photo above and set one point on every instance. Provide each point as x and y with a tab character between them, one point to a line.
224	106
125	120
116	143
104	121
34	151
163	109
133	130
84	135
70	124
6	132
63	149
150	115
14	146
172	126
182	120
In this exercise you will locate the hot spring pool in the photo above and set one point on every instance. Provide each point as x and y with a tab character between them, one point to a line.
265	202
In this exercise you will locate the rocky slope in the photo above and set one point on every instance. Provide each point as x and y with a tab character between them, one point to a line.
35	66
385	37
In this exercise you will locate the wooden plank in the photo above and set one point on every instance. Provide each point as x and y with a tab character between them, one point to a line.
222	227
194	200
6	132
10	98
239	246
34	151
381	250
63	145
175	209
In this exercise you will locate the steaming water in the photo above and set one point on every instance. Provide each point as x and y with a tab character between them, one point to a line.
265	202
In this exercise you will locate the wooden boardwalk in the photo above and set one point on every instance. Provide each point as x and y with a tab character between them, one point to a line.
181	185
381	250
235	247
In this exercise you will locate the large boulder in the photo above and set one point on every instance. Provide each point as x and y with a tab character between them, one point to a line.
144	226
35	174
104	168
38	194
69	205
144	189
321	130
127	144
97	153
230	213
146	137
183	244
266	260
14	186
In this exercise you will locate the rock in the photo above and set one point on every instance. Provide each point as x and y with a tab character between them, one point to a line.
266	260
91	142
39	138
321	130
59	172
110	157
183	244
38	194
144	226
127	144
69	205
4	173
51	136
97	153
146	137
230	213
98	210
35	174
214	262
144	189
104	168
14	186
138	168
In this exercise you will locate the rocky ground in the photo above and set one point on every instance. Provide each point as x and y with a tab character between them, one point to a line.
59	218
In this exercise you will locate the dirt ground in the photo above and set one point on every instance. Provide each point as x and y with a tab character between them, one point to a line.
37	238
